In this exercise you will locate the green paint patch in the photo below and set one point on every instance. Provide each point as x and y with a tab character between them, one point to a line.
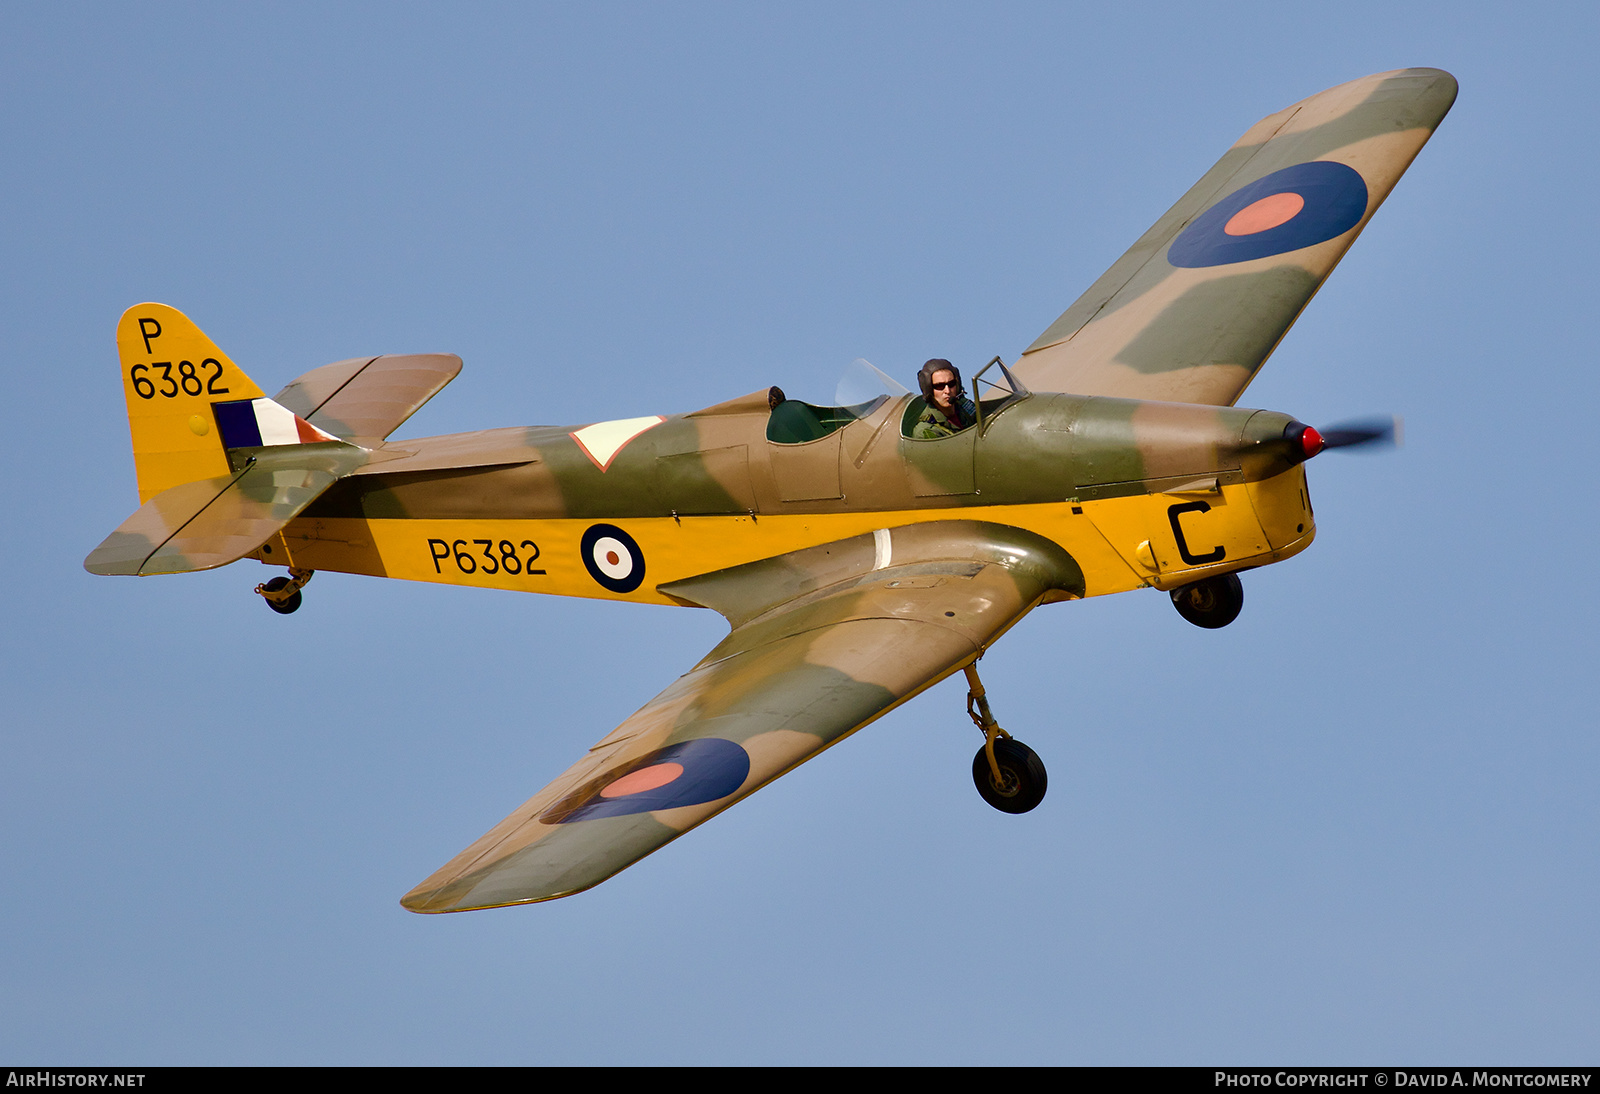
1233	320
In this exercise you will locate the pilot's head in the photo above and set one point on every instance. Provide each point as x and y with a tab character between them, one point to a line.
941	383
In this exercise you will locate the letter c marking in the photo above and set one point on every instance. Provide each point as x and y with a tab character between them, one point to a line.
1173	513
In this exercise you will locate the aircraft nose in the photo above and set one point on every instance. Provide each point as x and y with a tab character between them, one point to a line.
1303	440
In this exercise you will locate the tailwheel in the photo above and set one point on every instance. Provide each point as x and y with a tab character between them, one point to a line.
1009	775
1212	603
1022	779
282	594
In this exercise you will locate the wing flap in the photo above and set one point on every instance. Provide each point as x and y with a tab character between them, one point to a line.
790	680
1194	308
369	398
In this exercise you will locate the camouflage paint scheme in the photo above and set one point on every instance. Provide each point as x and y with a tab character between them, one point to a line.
857	566
1150	330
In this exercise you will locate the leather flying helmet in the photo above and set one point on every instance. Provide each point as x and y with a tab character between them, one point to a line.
925	378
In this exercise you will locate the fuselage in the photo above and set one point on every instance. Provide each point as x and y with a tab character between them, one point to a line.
1138	493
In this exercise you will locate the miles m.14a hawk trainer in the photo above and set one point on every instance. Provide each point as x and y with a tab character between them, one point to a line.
860	552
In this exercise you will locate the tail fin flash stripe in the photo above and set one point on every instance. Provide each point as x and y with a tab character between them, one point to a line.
308	433
236	423
261	423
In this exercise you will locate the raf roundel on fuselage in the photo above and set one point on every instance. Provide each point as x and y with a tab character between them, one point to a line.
613	558
1296	207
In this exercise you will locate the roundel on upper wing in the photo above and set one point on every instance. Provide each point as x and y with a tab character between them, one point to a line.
612	558
687	773
1284	211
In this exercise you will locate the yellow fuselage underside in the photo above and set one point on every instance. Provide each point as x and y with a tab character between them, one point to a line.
1120	543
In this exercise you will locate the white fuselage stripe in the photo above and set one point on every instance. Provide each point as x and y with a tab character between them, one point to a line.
882	548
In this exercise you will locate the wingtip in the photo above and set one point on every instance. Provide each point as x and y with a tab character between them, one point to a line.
436	902
119	555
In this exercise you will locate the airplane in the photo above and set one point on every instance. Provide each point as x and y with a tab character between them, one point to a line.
857	562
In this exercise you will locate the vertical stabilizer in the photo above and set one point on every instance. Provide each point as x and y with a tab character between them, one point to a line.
171	375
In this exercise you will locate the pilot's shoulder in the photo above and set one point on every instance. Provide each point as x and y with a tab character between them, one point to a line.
931	425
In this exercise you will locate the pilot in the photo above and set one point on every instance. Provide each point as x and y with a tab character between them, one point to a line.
949	410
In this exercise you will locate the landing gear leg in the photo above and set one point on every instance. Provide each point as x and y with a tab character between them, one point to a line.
282	594
1009	775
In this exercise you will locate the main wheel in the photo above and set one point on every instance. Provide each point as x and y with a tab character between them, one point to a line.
283	607
1212	603
1022	776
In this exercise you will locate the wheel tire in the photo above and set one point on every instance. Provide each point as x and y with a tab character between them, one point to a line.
1022	771
283	607
1212	603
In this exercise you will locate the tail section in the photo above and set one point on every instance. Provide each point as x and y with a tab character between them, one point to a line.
221	467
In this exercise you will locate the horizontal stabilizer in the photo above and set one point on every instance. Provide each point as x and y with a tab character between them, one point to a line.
211	522
368	398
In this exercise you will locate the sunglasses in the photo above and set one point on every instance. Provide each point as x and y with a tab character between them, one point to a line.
947	383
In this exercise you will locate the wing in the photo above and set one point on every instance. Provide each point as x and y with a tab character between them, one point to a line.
1197	304
824	641
368	398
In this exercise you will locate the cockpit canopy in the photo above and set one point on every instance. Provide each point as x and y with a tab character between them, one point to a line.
994	389
864	389
794	422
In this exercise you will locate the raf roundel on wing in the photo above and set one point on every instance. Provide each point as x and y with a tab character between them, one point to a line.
1296	207
688	773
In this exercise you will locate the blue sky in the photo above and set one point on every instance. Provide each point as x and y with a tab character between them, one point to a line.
1357	826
